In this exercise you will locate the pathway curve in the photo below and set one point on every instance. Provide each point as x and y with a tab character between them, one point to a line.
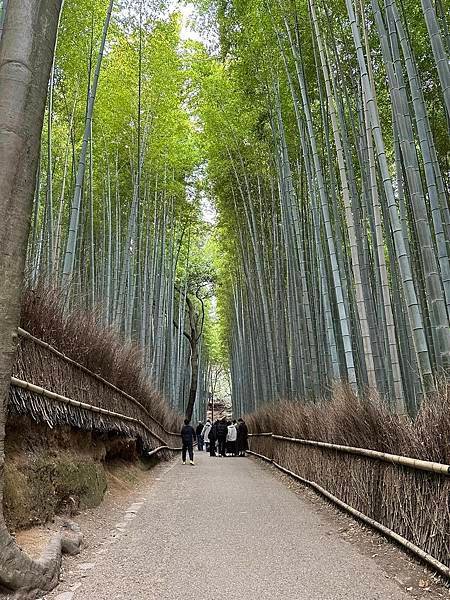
226	528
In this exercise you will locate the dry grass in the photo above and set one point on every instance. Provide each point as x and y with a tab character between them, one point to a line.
363	422
413	503
82	336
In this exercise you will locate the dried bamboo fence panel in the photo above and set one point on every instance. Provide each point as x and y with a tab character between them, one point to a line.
40	364
408	500
46	406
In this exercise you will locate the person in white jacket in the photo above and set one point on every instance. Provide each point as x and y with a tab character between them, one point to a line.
205	433
231	438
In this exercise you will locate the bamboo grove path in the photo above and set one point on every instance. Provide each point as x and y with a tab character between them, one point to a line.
226	528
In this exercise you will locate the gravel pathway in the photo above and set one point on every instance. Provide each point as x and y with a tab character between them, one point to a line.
225	528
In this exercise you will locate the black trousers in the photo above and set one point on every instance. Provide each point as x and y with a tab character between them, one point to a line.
187	446
212	447
222	446
242	446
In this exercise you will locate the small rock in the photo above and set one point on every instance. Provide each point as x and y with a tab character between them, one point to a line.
86	566
65	596
72	526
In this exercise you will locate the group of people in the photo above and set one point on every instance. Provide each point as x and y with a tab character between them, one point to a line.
222	437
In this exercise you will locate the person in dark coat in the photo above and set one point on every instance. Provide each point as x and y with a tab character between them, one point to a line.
212	436
242	437
198	433
222	432
188	438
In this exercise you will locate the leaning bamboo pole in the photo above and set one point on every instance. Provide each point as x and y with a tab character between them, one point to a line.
29	336
406	461
83	405
158	449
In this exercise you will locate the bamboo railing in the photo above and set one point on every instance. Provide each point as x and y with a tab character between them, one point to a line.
425	556
91	408
438	469
406	461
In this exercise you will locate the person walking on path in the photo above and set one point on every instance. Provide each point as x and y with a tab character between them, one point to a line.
222	432
231	438
242	437
212	436
187	437
205	434
198	433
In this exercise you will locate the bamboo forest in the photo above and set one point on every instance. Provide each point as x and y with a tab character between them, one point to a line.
249	202
319	139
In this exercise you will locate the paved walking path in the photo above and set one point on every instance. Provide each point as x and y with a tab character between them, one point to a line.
228	529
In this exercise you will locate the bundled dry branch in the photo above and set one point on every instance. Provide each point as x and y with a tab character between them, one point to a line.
40	366
42	409
410	502
24	334
81	337
363	422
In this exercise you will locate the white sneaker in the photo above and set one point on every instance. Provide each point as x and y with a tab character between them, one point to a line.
184	462
192	463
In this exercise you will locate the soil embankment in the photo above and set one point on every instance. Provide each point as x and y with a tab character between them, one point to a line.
57	471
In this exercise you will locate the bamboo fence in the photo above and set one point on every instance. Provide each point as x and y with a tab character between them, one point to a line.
413	463
52	388
402	497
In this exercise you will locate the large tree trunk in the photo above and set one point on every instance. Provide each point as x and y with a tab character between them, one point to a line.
26	52
194	335
194	381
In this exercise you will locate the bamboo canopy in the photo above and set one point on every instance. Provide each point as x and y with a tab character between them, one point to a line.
328	259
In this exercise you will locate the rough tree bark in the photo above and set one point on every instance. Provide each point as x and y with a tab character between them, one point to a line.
196	321
26	53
